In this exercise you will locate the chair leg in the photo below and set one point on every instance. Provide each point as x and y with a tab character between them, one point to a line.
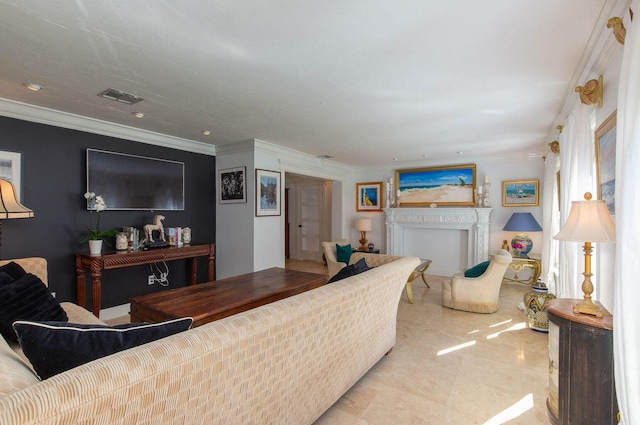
424	279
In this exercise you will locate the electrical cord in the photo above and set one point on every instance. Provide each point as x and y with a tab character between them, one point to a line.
163	278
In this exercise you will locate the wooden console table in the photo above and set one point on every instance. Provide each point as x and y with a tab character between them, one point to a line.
95	264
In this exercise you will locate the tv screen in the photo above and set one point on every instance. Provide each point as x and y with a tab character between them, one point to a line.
130	182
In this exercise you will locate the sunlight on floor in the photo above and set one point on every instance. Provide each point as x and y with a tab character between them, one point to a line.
516	327
526	403
456	348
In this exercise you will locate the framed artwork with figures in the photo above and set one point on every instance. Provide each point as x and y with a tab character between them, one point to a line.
232	185
606	162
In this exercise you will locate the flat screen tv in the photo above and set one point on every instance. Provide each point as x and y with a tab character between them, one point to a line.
130	182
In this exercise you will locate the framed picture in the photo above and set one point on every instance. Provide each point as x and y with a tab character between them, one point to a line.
606	162
232	185
267	193
520	193
369	196
450	185
11	169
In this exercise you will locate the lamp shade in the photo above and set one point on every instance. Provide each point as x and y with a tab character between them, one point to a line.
9	205
522	222
363	224
588	221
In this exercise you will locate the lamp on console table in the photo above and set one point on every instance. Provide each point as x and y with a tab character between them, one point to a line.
521	223
588	221
10	207
364	226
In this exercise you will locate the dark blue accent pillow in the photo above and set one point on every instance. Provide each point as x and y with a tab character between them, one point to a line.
13	269
343	253
350	270
5	278
27	298
54	347
477	270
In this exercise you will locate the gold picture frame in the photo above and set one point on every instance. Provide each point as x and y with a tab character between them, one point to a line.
521	193
451	185
605	136
369	196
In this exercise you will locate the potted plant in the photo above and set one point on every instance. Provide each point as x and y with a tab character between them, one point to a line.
96	236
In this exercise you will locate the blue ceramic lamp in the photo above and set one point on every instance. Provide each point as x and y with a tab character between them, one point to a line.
522	223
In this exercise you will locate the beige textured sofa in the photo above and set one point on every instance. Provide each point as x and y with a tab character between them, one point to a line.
282	363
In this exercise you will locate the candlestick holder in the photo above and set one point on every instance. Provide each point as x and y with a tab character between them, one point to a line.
485	195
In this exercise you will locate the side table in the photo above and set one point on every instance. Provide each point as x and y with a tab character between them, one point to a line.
418	271
533	262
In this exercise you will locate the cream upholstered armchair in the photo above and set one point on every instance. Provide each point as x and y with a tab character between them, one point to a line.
329	249
477	294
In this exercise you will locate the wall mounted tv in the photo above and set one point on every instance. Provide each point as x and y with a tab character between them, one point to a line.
130	182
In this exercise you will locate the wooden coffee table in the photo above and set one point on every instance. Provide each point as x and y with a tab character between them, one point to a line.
211	301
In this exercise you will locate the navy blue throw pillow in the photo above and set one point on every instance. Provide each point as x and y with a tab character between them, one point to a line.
54	347
477	270
13	269
350	270
26	298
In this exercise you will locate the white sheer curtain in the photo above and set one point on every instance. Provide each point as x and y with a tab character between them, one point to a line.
550	222
626	318
577	156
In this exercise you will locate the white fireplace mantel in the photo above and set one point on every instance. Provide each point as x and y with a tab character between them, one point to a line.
474	220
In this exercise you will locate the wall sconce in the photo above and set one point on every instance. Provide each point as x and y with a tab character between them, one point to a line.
588	221
619	31
10	207
591	92
555	147
364	226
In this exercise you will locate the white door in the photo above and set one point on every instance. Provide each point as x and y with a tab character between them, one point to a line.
310	209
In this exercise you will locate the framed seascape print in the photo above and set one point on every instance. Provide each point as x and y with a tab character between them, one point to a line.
369	196
606	162
232	185
520	193
10	169
267	193
444	186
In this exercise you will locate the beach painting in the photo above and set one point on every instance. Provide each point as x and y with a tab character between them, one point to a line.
369	196
443	186
606	162
520	193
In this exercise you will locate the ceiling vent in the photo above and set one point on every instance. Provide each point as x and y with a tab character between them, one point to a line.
120	96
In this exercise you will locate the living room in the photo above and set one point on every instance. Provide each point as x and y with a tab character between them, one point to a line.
52	145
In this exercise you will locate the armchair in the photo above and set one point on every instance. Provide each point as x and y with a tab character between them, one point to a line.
329	249
477	294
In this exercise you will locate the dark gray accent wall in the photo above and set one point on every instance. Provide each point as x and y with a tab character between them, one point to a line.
53	184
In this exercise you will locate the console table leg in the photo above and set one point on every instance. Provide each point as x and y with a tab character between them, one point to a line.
81	284
194	271
96	288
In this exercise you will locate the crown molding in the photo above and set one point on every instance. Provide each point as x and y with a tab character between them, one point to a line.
38	114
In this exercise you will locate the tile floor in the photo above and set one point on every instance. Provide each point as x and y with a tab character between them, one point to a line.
451	367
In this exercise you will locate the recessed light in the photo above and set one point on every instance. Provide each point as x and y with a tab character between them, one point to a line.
425	156
206	132
138	114
33	86
459	152
395	159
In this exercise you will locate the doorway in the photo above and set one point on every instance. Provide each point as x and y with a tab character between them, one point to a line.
307	216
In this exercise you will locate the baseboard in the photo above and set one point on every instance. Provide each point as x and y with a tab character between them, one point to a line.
113	312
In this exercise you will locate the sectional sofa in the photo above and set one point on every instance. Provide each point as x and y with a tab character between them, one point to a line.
282	363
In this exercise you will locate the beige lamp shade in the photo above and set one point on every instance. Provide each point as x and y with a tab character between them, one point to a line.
9	205
363	224
588	221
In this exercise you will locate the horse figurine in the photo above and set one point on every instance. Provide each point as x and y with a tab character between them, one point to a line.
149	228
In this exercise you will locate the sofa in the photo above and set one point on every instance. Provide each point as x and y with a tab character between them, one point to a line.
282	363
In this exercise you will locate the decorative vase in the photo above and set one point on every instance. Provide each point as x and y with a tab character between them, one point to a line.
521	245
122	241
95	247
535	304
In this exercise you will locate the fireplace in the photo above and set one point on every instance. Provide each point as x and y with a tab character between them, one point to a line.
454	238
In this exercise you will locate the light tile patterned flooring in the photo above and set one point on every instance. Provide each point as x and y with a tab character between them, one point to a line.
451	367
448	366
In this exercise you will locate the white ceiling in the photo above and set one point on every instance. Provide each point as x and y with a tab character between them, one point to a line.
361	81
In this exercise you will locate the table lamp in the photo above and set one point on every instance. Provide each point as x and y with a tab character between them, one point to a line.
364	226
521	223
588	221
10	207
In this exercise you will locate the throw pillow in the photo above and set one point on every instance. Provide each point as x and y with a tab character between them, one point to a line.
477	270
350	270
54	347
26	298
5	278
343	253
13	269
